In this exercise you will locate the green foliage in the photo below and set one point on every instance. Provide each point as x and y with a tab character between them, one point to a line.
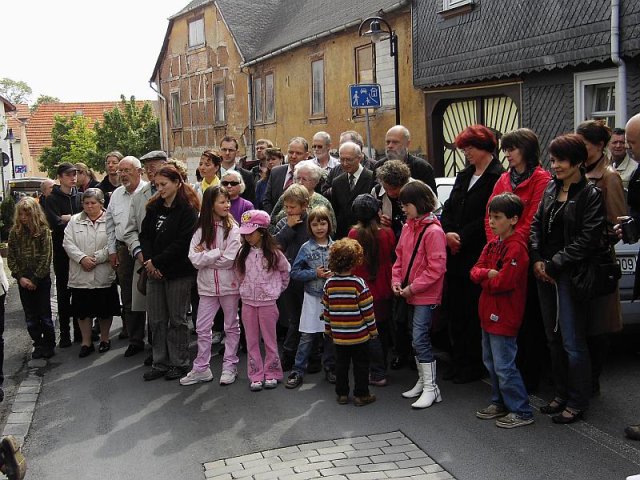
130	129
43	99
15	91
7	211
71	141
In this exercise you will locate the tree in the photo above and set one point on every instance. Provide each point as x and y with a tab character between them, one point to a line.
44	99
131	129
15	91
71	141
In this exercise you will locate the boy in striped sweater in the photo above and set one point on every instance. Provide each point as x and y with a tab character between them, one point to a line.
349	320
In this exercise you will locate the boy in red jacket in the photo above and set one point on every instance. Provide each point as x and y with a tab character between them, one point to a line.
501	270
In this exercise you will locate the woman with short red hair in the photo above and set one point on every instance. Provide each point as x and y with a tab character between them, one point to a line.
463	224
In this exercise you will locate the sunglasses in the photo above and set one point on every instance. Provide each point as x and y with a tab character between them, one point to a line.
226	183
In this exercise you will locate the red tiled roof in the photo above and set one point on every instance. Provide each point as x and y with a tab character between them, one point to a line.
14	119
41	122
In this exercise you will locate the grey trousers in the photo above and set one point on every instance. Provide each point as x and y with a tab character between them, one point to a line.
167	306
133	322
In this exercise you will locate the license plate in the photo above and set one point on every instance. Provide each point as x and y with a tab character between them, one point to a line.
627	265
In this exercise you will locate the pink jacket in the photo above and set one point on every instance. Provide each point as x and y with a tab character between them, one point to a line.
426	278
216	276
259	287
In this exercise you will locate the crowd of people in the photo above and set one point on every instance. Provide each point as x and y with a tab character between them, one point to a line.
346	261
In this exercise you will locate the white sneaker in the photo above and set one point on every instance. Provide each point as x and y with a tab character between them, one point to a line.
228	377
271	383
197	377
216	338
255	386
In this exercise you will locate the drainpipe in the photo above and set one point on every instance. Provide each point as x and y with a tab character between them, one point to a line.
618	61
166	115
252	128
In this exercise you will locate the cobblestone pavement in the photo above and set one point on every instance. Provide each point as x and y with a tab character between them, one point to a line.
371	457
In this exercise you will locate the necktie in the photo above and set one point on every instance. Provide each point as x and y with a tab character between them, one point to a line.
289	181
352	181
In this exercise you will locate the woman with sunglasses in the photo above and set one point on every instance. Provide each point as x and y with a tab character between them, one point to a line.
232	181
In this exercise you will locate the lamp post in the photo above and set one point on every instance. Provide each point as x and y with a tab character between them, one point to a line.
376	33
10	138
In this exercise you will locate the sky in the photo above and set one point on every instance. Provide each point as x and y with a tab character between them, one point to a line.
91	50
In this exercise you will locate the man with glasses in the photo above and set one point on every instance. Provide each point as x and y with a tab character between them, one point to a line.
228	152
152	161
282	177
321	144
130	172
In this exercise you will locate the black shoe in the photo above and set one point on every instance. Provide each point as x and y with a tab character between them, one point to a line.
148	361
65	340
104	346
133	350
153	374
398	362
294	380
568	416
330	375
48	352
554	406
175	373
633	432
86	350
37	353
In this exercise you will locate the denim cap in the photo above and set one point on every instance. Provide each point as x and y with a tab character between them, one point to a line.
365	207
252	220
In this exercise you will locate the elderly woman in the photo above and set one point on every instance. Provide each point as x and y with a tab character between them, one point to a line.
91	279
392	176
308	174
567	230
604	315
527	179
463	222
233	182
274	157
165	236
208	169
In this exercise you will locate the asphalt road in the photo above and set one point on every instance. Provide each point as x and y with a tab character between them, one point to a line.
96	419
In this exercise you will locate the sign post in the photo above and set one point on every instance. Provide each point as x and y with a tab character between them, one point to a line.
366	96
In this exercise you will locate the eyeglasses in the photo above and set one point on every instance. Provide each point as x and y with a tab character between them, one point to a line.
228	150
226	183
125	170
317	146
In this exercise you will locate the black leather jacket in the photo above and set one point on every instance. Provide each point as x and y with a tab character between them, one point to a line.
584	225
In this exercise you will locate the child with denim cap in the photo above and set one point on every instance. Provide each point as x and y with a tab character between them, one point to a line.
349	321
501	270
310	268
263	272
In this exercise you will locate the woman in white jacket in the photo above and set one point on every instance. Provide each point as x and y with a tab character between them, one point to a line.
91	278
213	249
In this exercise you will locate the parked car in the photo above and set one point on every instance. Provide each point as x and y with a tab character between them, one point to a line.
627	256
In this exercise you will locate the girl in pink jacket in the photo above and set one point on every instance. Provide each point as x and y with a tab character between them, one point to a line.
425	279
263	271
213	249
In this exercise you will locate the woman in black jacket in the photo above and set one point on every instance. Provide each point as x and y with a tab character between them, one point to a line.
165	237
568	229
463	223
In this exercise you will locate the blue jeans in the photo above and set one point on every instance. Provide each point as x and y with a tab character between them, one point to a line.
507	388
304	352
422	317
567	339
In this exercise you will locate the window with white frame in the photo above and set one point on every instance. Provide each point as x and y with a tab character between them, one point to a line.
451	4
218	95
595	97
269	99
196	32
317	87
258	100
176	110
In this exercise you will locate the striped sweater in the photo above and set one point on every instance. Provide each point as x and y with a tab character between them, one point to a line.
348	310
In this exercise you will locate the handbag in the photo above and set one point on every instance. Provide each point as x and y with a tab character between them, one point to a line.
595	277
400	312
142	280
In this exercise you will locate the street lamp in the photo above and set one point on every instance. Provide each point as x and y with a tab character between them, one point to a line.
376	33
10	138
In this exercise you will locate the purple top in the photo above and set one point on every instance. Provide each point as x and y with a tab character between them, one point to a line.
239	206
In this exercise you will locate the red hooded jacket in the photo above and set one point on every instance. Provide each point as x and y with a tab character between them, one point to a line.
504	296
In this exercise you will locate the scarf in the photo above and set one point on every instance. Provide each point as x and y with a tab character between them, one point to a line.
517	178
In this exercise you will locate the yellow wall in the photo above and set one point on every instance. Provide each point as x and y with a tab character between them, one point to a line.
292	77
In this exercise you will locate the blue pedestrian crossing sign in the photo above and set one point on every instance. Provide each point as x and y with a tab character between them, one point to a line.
365	95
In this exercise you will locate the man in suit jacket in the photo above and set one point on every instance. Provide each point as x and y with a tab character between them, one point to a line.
354	180
324	187
397	143
228	152
283	175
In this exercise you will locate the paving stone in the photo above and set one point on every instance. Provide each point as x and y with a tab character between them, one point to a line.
280	451
21	407
217	463
312	466
416	462
316	445
351	441
335	477
224	476
364	476
440	476
293	456
263	462
369	445
328	457
335	449
31	381
221	470
22	417
363	453
19	429
352	461
416	454
26	397
386	436
392	457
244	458
399	441
27	389
400	448
274	474
301	476
404	472
247	472
433	468
291	463
339	470
378	467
